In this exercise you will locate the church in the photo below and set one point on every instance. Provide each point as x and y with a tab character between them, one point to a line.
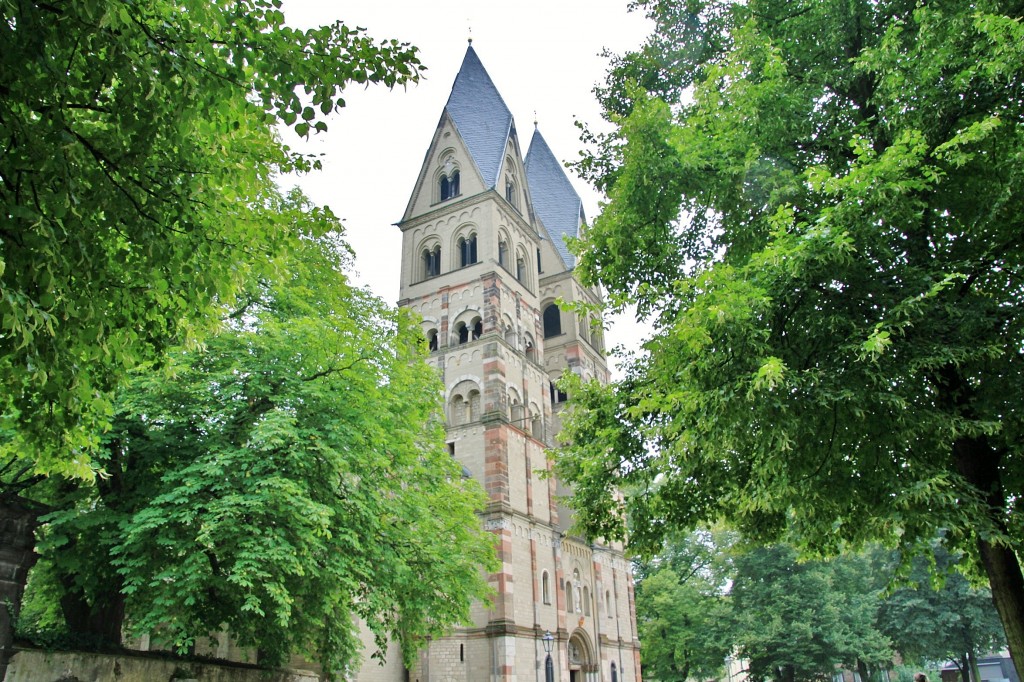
484	263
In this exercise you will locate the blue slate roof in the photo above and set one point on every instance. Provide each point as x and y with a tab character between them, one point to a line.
555	201
481	117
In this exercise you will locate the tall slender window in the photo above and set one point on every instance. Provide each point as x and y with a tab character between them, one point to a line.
615	673
467	250
552	321
503	253
449	186
432	262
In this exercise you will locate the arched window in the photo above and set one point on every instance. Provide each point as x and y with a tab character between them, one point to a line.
568	596
549	670
473	405
502	252
586	602
449	186
615	673
510	193
478	328
431	261
552	321
517	413
557	394
536	425
530	348
545	588
457	411
584	328
462	333
467	250
521	268
432	339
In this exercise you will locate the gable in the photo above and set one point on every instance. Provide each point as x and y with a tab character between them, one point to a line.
446	155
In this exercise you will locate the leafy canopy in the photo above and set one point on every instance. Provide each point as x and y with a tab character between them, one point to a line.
684	615
279	482
137	153
818	205
798	621
838	307
941	620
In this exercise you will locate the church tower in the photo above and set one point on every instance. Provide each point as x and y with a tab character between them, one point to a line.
483	262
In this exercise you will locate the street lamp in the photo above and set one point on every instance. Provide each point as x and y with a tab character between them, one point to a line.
548	640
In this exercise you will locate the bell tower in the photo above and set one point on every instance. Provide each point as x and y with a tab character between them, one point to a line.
484	262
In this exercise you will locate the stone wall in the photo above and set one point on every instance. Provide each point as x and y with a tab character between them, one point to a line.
32	665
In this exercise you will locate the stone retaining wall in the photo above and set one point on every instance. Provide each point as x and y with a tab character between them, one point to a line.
31	665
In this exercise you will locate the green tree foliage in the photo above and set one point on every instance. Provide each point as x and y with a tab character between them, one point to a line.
945	619
799	621
684	617
136	160
282	480
818	204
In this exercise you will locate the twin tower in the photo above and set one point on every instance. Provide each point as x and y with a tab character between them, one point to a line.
484	260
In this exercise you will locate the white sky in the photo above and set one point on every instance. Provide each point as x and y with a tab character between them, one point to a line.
543	56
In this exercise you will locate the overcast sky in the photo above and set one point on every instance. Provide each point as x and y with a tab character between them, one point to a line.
543	56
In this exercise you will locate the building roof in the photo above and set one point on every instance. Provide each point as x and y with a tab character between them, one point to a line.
481	117
555	201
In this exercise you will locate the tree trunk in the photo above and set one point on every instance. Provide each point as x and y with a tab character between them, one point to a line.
964	668
1007	582
979	464
99	619
972	661
17	556
862	668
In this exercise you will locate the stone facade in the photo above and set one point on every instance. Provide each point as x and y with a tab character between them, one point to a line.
483	266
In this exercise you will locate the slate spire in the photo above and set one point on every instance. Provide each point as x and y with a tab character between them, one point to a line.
555	201
481	116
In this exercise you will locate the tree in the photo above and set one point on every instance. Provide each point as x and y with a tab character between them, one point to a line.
943	619
137	156
799	621
136	160
684	616
278	483
818	205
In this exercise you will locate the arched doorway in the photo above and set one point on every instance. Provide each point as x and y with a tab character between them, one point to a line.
582	667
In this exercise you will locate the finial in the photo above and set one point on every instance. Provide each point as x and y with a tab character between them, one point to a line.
534	118
470	35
